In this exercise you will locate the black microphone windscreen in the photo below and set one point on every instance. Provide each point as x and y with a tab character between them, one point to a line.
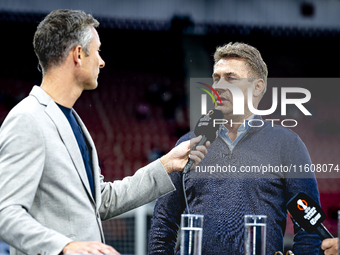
306	212
207	125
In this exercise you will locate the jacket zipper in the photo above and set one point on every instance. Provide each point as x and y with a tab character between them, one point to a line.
231	151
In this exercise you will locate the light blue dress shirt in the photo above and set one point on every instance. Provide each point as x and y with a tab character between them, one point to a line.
241	131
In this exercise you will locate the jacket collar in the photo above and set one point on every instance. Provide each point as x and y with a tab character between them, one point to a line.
68	138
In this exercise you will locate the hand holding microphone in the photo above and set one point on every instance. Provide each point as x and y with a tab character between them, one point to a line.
206	131
209	131
307	214
330	246
178	157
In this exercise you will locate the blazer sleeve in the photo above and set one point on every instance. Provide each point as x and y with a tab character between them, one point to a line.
146	185
22	155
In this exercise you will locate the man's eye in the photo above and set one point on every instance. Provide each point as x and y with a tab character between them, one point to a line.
216	79
231	79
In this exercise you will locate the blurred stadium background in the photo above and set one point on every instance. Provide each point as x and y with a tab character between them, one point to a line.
152	48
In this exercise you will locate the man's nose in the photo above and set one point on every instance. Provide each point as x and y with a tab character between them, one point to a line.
101	63
220	86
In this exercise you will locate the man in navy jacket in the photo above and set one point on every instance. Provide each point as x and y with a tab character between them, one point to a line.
225	186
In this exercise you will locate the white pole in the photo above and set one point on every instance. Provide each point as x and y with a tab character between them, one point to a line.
140	230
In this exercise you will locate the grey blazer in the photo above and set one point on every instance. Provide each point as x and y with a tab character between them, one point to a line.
45	198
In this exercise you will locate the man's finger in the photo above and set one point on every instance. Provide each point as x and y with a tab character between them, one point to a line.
195	141
109	251
196	159
202	149
328	243
196	155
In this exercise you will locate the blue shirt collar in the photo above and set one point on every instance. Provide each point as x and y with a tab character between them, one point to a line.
241	131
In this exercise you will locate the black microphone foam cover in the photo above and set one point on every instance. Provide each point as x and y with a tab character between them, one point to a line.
306	212
207	125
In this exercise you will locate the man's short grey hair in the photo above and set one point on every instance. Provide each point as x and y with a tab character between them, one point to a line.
59	32
252	57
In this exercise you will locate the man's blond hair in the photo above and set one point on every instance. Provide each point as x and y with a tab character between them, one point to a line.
251	56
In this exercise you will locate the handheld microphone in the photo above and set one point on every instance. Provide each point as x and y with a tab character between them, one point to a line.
307	214
209	130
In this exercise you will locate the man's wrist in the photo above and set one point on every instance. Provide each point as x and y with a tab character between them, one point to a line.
63	250
166	162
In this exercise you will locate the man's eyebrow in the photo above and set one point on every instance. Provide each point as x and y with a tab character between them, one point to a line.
230	73
225	74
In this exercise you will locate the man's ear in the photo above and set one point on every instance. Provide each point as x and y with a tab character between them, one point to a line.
258	87
78	55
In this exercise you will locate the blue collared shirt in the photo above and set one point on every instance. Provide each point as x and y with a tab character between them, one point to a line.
241	131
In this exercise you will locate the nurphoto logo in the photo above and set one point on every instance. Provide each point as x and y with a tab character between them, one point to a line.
238	103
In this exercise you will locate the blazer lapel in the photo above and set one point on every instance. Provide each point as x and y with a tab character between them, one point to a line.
65	132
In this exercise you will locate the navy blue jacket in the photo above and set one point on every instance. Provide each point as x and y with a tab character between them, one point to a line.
224	197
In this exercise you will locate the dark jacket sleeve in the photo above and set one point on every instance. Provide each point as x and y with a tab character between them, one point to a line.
167	216
296	154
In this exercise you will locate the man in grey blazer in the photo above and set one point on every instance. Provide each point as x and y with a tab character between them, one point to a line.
52	195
